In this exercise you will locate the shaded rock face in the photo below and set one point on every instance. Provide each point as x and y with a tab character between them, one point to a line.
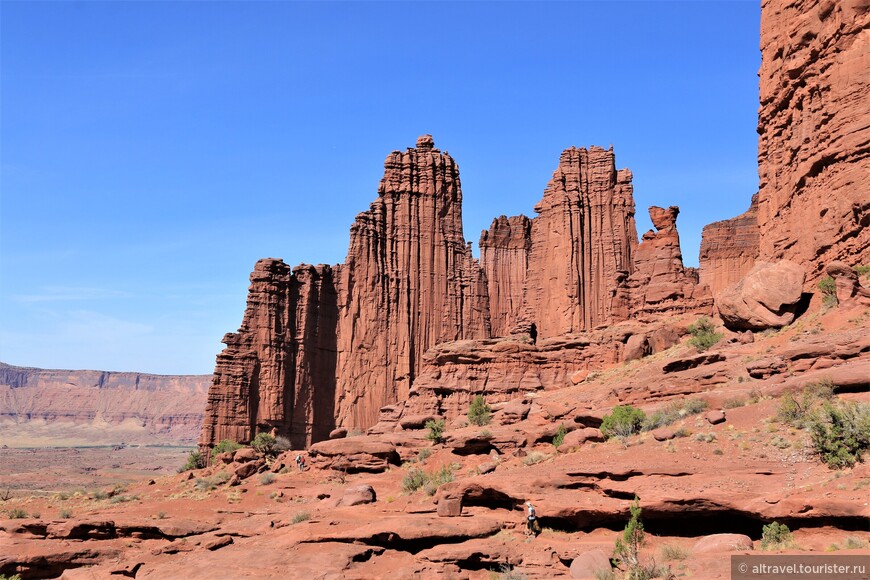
277	373
504	255
409	282
729	249
582	245
814	135
659	282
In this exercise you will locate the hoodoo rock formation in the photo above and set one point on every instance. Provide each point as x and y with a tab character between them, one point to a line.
814	138
409	282
277	373
582	245
323	347
660	283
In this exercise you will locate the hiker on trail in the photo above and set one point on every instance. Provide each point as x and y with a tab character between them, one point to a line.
532	519
300	462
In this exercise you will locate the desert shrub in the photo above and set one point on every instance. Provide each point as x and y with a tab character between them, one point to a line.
705	437
301	517
225	446
436	430
627	549
123	498
479	413
507	572
17	514
673	412
694	406
424	454
841	433
413	480
623	421
267	478
853	543
195	460
863	271
795	409
776	536
670	552
704	334
64	514
100	495
828	288
559	438
282	444
733	403
780	442
264	443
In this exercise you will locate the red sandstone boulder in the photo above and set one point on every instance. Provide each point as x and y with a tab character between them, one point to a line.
358	495
245	454
722	543
590	565
578	437
767	297
848	286
415	421
354	454
715	417
513	412
338	433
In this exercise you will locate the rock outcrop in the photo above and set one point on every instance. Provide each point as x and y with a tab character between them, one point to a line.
768	297
583	241
814	134
277	373
504	256
660	283
100	407
729	249
408	283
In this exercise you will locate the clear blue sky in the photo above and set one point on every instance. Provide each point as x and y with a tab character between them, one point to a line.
153	151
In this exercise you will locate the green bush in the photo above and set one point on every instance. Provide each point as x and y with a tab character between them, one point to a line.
195	460
776	536
436	430
828	288
17	514
479	413
301	517
796	409
863	271
623	421
264	443
559	438
841	433
225	446
413	480
627	549
704	334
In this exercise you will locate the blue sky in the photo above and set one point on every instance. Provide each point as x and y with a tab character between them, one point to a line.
153	151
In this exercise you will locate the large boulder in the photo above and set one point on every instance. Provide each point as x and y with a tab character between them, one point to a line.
590	565
358	495
354	454
767	297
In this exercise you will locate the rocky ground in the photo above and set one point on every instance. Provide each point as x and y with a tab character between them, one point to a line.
729	469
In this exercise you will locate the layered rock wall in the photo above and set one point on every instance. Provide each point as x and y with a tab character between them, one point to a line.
408	283
814	132
277	373
100	406
582	244
729	249
504	255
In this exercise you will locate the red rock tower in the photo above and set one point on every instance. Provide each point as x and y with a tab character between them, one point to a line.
582	244
409	282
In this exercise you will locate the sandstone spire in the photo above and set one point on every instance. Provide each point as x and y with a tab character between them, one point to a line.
504	256
409	282
582	244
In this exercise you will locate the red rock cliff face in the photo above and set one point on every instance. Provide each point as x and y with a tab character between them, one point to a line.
277	373
729	249
582	243
504	255
408	282
814	131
